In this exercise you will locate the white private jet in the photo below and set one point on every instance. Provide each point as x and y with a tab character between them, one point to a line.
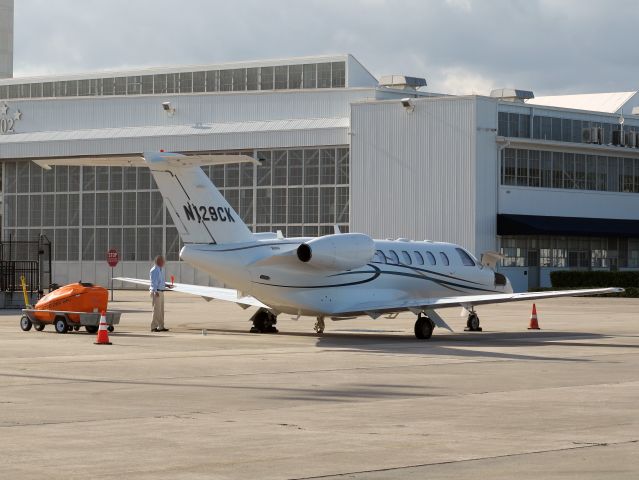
337	276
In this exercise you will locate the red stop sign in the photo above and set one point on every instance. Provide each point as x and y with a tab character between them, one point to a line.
113	257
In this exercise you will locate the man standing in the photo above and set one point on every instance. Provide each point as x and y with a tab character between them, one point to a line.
157	287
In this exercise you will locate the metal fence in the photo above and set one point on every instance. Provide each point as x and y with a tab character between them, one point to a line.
28	259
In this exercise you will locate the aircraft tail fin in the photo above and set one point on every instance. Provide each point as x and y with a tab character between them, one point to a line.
199	211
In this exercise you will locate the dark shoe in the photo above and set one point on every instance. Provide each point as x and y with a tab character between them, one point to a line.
162	330
154	329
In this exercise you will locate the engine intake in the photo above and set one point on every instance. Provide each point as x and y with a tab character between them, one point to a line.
337	252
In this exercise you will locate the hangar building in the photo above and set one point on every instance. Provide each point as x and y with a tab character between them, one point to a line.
552	182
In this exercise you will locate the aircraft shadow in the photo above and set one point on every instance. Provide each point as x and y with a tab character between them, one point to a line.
448	344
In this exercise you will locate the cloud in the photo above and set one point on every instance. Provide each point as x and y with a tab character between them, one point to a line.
464	5
548	46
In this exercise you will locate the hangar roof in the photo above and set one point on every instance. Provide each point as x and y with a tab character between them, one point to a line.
610	102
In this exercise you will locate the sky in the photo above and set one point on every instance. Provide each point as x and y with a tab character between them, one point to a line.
459	46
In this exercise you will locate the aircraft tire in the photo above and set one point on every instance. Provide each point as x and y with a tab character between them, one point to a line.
424	327
472	323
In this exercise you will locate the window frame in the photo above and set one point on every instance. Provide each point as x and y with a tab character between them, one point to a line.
393	257
465	257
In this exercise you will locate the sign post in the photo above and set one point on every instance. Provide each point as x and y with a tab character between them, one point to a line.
112	259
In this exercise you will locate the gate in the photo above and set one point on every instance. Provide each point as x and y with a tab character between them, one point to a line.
30	259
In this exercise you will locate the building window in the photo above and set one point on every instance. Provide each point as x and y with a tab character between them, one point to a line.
324	75
545	169
570	252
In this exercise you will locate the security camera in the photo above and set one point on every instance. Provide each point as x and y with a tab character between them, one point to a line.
166	106
407	104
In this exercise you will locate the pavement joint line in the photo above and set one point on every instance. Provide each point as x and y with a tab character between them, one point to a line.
143	417
67	380
576	446
360	401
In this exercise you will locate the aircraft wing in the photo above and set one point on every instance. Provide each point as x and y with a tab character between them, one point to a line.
215	293
469	300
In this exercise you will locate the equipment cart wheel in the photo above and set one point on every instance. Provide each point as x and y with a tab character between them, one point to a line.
92	329
76	328
25	323
39	326
110	328
60	325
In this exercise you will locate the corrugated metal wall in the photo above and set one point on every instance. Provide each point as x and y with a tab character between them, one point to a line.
487	169
415	174
78	113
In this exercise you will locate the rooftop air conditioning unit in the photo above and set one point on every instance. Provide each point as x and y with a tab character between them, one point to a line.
617	138
586	135
596	135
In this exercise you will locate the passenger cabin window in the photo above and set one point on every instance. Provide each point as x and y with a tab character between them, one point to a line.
431	258
406	257
392	255
444	258
466	259
419	258
379	257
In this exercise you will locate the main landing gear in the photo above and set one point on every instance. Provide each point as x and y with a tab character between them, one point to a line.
424	327
472	324
319	325
264	322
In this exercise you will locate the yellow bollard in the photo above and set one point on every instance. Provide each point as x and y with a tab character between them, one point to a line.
23	281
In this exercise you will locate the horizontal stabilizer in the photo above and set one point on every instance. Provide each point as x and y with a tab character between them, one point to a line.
215	293
138	160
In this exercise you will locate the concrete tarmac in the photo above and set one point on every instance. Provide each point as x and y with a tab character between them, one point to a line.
364	401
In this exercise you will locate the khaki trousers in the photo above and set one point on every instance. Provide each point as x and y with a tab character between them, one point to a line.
158	310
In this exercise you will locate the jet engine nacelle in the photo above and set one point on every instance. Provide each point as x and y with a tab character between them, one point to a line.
343	251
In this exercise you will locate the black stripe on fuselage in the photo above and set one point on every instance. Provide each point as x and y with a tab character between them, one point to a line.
376	274
432	272
445	283
248	247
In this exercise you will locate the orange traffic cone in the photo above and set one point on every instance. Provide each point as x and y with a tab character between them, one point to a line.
103	332
534	324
